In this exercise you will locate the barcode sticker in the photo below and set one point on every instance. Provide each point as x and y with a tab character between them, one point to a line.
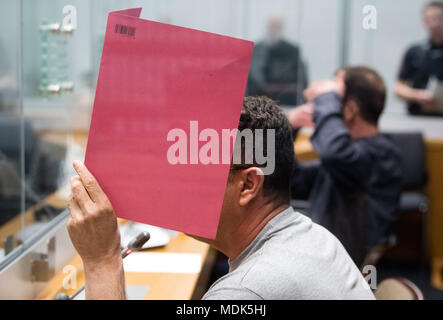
125	30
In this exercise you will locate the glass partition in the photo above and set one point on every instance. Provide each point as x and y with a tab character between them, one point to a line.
51	53
383	48
12	128
46	101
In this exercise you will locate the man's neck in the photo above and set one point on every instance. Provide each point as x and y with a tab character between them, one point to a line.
363	129
236	239
437	41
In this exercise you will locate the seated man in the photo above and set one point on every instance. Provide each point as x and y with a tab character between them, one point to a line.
274	252
355	187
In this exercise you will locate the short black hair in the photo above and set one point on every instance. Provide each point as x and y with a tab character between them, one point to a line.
264	113
367	88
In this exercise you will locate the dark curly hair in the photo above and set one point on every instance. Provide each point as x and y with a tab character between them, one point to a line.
263	113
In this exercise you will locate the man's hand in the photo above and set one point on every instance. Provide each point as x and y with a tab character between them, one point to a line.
301	116
92	224
425	98
94	232
320	87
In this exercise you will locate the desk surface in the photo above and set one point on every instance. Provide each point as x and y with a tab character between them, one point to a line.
187	286
161	285
25	219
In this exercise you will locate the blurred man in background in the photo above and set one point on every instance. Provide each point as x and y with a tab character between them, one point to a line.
421	72
354	188
277	70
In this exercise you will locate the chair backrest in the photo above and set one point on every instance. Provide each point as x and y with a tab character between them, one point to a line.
11	140
398	289
412	149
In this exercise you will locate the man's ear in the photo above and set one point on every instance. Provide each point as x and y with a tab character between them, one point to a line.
251	184
350	110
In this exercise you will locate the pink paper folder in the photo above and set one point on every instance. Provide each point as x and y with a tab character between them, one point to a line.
154	78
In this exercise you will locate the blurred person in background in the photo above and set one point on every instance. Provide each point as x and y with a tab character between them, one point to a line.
354	187
277	70
10	142
421	73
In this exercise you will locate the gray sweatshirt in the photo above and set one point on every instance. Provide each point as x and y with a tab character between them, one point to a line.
292	258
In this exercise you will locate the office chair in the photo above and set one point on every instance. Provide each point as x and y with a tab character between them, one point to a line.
11	149
11	141
398	289
412	148
413	199
41	169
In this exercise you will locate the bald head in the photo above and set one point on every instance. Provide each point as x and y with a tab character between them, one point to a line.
275	25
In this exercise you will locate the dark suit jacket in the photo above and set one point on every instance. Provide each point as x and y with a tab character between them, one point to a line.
355	187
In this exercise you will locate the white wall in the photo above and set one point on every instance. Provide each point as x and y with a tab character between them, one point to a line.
399	25
313	24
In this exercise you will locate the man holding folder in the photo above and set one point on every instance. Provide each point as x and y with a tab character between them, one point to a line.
274	252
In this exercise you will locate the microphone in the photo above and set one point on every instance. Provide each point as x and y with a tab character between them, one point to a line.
135	244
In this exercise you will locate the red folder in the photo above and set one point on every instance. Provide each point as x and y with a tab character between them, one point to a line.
154	78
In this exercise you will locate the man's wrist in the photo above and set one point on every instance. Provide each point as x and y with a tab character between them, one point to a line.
413	95
105	278
110	261
327	104
331	99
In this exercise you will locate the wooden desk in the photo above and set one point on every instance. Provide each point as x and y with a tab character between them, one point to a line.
303	148
186	286
62	138
161	285
434	158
